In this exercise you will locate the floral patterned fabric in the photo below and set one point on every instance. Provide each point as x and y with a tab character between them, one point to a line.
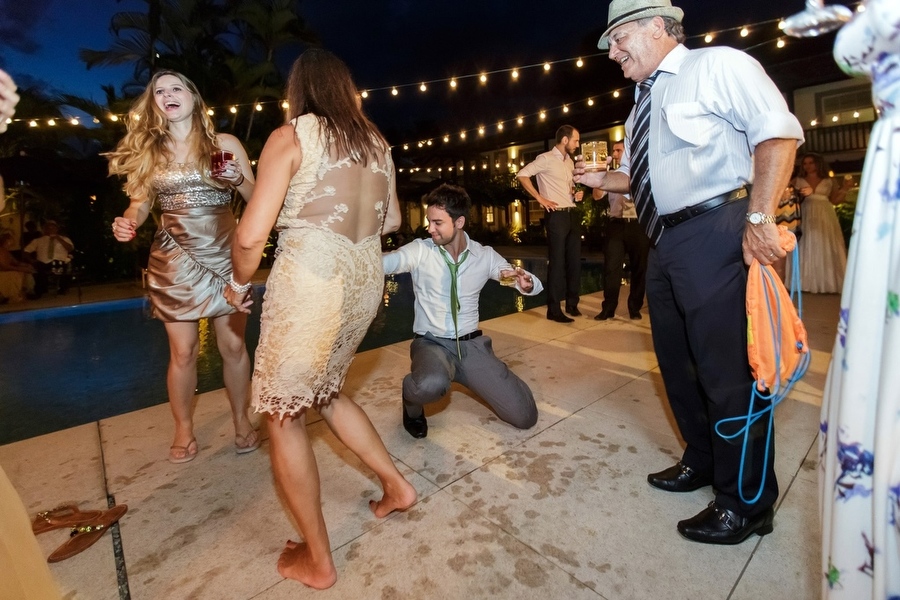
860	429
327	281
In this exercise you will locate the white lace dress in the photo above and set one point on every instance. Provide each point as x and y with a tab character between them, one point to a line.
327	281
823	256
860	440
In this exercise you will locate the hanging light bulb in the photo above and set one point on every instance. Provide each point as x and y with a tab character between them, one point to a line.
113	118
616	94
515	73
780	43
365	93
590	102
32	123
210	112
482	78
520	120
258	107
500	126
708	38
422	86
446	138
233	110
453	83
462	135
286	105
394	91
74	121
481	130
546	66
543	115
745	32
406	146
579	63
565	108
816	19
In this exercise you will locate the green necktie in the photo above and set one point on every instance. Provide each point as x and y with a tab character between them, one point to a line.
454	293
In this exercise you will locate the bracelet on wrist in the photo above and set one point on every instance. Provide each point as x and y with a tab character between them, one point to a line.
238	288
241	182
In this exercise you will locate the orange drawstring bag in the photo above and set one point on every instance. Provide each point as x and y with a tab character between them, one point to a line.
776	337
777	350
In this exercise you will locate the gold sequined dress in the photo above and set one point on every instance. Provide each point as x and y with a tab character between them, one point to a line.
327	281
190	259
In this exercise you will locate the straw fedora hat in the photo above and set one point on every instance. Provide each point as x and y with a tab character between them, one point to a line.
625	11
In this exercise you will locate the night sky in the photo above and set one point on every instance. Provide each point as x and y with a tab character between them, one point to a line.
388	42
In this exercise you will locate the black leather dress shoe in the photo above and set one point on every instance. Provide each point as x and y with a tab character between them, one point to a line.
635	315
604	315
679	478
559	318
574	311
717	525
418	427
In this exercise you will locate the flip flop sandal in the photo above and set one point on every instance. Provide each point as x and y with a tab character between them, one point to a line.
246	443
62	516
185	451
85	535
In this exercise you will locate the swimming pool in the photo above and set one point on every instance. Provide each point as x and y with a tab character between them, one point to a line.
68	366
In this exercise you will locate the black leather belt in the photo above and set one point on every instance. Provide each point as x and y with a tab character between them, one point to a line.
462	338
673	219
623	219
560	209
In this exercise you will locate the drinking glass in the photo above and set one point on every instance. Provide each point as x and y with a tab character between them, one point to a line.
594	155
218	159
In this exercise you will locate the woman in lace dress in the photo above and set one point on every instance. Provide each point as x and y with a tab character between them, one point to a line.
326	183
823	256
860	441
166	158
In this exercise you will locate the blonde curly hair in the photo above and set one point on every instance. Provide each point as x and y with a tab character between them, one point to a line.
144	146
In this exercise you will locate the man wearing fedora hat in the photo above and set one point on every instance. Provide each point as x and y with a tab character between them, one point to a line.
706	124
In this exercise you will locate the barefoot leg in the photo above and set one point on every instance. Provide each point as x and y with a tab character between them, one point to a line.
352	426
294	465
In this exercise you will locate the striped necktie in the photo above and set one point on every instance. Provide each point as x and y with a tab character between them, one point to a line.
640	164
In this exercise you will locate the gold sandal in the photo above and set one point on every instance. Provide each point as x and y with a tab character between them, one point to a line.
85	535
67	515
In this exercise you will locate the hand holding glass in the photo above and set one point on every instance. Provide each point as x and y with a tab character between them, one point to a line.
508	277
218	160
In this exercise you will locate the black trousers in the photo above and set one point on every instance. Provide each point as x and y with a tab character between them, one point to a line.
696	289
44	272
624	238
563	259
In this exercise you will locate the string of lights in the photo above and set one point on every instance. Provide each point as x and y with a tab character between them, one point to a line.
453	82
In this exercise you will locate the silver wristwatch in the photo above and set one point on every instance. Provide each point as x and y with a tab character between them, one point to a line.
758	218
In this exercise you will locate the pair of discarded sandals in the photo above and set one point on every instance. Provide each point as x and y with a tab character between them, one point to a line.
86	527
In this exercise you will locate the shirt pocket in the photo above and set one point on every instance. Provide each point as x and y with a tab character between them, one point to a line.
690	124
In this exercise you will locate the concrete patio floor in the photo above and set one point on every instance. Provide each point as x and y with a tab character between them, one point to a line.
562	510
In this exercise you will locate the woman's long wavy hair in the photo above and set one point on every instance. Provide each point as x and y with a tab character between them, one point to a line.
144	146
819	160
320	84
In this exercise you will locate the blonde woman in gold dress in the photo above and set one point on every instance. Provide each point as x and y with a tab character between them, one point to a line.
166	158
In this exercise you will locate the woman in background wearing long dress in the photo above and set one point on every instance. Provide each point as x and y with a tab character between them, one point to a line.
823	255
326	182
860	440
166	158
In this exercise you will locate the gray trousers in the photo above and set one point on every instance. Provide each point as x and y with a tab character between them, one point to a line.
435	365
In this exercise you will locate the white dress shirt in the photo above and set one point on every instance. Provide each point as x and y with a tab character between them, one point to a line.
47	249
710	108
431	283
553	171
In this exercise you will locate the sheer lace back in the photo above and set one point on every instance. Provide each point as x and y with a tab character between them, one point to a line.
325	286
335	192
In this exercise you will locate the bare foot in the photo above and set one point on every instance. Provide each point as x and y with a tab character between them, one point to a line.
295	562
398	497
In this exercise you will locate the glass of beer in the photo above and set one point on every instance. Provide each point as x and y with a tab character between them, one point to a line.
594	154
508	277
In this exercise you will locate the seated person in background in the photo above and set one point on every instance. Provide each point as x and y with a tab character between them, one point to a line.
15	276
52	254
31	233
448	272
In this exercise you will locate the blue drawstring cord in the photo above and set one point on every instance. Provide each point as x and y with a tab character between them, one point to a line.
777	392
